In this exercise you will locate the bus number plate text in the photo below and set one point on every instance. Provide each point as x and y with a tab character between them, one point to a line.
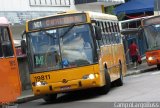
42	77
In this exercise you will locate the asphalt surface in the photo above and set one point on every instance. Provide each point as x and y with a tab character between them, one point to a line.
137	88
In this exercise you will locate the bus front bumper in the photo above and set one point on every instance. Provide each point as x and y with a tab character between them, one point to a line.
72	85
153	62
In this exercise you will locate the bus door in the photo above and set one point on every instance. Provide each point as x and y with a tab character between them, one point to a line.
9	76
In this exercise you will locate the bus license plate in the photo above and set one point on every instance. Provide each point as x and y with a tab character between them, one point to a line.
65	88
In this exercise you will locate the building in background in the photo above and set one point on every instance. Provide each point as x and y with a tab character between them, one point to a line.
156	7
18	11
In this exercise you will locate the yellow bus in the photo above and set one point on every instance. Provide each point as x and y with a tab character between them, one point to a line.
73	51
10	85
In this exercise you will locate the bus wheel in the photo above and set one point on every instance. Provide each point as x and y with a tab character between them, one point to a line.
105	89
158	66
50	97
119	82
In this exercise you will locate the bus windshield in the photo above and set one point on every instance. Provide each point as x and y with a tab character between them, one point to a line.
60	48
152	34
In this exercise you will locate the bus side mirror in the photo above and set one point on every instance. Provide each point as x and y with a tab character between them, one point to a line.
23	46
98	33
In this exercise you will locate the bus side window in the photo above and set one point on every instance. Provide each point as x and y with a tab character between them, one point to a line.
107	39
100	42
103	33
118	33
113	33
6	42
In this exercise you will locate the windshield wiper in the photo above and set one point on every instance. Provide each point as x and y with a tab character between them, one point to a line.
70	28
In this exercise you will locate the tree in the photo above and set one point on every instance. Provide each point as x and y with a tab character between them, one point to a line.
109	10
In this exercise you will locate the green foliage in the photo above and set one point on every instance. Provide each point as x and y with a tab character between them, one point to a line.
121	16
109	10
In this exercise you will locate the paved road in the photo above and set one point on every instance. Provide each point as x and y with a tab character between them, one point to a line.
137	88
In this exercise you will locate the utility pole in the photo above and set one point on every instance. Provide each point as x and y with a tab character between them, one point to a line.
157	7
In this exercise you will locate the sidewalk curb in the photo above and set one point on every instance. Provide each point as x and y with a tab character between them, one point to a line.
140	71
27	98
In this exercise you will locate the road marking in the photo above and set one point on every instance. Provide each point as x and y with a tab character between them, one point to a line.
155	73
135	76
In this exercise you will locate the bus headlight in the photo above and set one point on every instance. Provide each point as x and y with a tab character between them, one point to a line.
41	83
151	58
90	76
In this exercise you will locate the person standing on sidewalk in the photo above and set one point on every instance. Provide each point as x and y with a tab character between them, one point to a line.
133	51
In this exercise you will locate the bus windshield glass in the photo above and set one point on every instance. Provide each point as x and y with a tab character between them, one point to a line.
152	34
60	48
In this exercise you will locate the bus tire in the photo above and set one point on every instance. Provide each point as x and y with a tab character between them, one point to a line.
105	89
119	82
158	66
50	98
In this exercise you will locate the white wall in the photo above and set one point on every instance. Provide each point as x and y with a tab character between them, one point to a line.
24	5
89	8
50	5
14	5
156	13
29	5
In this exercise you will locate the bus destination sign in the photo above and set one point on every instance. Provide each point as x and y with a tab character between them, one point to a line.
56	21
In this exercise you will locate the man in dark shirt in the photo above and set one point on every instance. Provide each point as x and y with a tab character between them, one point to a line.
133	50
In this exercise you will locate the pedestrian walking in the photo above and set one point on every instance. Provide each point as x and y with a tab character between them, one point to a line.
133	51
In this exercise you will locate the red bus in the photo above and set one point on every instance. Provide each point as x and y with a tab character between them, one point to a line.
151	28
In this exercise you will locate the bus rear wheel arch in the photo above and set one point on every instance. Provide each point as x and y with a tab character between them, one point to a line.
119	81
105	89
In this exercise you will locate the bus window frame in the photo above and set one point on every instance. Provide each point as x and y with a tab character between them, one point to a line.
119	33
29	51
103	33
103	29
28	47
115	23
111	33
10	42
94	41
108	32
100	42
114	33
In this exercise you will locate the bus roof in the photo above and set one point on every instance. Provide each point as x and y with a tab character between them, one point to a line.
3	21
93	15
96	15
151	21
135	19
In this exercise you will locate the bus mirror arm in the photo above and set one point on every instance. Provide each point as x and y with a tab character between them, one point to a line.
98	33
23	43
24	32
23	46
